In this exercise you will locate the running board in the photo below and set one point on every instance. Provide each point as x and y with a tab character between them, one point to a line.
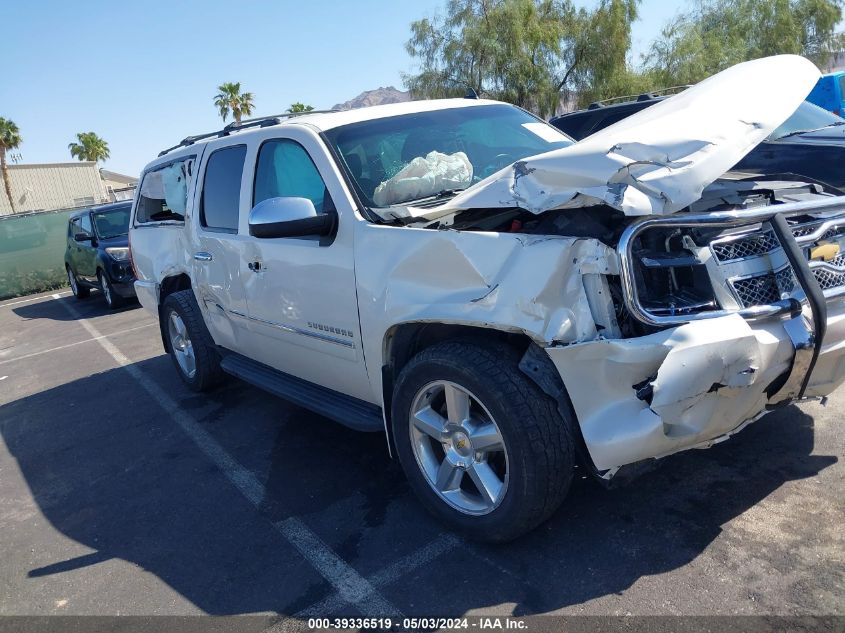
348	411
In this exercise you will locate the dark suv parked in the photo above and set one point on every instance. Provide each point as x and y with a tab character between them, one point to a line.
811	143
97	253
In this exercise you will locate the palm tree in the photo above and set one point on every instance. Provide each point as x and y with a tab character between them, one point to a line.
230	100
90	147
299	107
10	138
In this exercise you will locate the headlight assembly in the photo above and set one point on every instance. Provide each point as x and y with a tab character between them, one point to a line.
118	253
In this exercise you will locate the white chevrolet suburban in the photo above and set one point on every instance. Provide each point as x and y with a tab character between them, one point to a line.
499	300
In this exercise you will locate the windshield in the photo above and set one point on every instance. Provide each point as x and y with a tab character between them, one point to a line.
112	223
807	117
422	155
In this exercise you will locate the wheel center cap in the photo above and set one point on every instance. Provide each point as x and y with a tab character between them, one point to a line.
461	443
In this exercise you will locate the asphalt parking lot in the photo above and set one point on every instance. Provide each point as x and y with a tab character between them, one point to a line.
121	492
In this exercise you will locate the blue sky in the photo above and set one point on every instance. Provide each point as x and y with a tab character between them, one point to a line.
143	74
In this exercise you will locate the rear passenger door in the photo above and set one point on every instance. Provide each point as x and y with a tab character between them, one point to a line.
218	244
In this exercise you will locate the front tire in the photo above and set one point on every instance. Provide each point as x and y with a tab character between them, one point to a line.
484	449
189	342
78	291
113	300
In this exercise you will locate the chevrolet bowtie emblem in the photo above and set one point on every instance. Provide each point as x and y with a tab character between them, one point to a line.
826	251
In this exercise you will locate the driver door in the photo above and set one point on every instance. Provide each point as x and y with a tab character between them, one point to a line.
300	291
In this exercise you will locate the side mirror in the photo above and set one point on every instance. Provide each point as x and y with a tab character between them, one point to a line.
288	217
83	237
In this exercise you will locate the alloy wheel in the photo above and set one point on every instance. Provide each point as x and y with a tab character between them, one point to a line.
180	343
104	286
73	283
458	447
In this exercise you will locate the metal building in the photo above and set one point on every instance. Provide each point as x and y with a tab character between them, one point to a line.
48	186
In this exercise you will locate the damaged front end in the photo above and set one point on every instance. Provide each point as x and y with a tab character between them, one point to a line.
739	311
676	300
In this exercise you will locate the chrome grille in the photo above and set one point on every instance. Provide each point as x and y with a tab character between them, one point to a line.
830	278
764	288
752	245
802	230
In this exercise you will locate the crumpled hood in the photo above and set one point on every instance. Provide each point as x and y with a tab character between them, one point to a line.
658	160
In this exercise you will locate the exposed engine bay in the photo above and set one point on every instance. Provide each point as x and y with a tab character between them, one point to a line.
680	270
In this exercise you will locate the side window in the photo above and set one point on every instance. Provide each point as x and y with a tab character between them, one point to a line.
285	169
85	224
613	117
164	192
221	189
73	227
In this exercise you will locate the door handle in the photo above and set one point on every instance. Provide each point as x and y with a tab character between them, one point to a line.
202	256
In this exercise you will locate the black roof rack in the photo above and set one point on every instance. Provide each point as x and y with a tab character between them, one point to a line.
235	126
646	96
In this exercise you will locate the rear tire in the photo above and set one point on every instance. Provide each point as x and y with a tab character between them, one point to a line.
510	463
189	342
78	291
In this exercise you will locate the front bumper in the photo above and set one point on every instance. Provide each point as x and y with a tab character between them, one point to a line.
702	380
122	278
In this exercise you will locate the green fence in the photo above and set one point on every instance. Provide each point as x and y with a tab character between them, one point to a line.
32	252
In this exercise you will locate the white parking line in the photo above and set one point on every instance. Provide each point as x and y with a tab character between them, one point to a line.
60	347
348	583
350	586
30	299
389	574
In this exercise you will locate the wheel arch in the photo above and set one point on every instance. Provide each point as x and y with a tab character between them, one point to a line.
169	285
403	341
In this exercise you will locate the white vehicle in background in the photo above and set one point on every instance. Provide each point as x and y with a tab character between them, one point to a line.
501	301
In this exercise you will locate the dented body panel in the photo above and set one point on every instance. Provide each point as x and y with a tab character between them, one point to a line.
526	284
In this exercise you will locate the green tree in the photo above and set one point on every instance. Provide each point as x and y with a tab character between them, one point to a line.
299	107
89	147
717	34
534	53
230	100
10	138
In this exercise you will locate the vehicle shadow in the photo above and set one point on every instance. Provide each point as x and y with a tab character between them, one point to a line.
134	487
53	310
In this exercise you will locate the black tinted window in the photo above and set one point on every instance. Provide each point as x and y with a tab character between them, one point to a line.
614	117
112	223
221	192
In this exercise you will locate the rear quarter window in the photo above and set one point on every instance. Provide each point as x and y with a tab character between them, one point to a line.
163	195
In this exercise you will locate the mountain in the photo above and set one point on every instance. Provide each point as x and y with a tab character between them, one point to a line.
378	96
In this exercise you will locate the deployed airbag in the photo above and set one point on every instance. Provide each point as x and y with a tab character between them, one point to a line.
425	176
